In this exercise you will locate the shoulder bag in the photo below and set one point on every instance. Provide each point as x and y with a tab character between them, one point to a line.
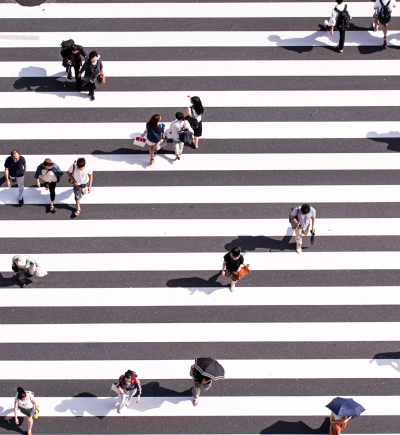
241	272
192	120
72	173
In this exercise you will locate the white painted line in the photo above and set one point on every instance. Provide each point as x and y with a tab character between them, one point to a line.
199	332
204	228
226	162
192	10
168	99
179	369
209	194
212	68
211	130
197	39
199	296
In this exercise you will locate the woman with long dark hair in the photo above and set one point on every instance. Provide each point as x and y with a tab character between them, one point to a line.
195	110
155	132
25	402
127	386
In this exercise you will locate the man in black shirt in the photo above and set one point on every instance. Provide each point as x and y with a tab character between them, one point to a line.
72	57
15	168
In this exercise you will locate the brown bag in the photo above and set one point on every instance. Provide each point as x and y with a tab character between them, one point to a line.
101	80
241	272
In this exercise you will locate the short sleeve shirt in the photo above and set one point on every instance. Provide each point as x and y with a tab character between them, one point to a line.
81	177
231	264
378	5
304	219
15	169
193	113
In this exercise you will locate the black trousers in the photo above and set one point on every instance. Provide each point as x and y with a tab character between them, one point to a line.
341	39
76	67
52	188
90	87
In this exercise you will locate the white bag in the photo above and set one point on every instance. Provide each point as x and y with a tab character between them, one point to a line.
40	272
115	388
139	142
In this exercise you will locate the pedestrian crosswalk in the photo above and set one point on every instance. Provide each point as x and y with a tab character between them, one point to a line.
134	282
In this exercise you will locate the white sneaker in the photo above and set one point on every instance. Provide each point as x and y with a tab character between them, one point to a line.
128	402
326	23
375	29
298	249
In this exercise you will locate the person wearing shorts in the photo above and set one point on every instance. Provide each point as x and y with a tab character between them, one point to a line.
81	175
25	403
377	18
232	263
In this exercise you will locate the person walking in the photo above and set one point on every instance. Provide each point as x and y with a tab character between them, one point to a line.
15	168
195	110
175	128
155	132
232	262
340	18
128	385
24	265
200	381
383	14
72	58
25	402
301	218
93	69
337	424
81	176
51	174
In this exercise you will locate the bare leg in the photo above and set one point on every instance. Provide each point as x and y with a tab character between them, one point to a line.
376	24
196	141
233	283
385	30
151	151
78	207
30	424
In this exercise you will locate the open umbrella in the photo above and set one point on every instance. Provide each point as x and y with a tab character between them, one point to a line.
313	240
210	368
345	407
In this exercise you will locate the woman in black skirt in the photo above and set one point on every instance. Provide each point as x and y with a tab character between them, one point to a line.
195	111
25	402
232	262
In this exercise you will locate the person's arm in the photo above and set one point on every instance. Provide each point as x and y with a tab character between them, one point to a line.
83	53
139	390
71	176
90	182
186	113
144	133
15	412
191	372
83	69
188	126
295	220
313	223
6	172
223	268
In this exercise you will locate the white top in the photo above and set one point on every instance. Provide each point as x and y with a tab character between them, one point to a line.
195	115
176	126
47	176
304	219
81	177
378	5
27	403
334	15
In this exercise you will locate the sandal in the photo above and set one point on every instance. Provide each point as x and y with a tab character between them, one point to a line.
151	161
51	207
195	402
78	212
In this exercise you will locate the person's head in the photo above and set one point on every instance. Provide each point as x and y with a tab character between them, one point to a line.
15	155
179	116
339	2
21	394
235	251
47	164
81	163
198	107
305	209
129	375
154	120
74	49
21	261
93	57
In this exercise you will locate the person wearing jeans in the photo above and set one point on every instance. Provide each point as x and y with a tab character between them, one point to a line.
15	168
128	384
177	125
302	218
51	174
81	175
24	264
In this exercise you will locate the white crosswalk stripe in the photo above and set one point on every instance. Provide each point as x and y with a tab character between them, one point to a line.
135	281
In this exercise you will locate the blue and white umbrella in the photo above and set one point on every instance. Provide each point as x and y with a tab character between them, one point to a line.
345	407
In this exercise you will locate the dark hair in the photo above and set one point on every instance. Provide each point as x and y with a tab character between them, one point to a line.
305	209
198	107
235	251
81	162
21	393
129	374
92	54
339	2
179	116
154	120
13	152
74	47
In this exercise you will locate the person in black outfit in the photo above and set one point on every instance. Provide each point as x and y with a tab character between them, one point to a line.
93	68
72	57
200	381
232	262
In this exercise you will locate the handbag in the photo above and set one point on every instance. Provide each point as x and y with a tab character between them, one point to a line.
185	136
115	388
241	272
40	272
192	120
139	142
72	173
101	80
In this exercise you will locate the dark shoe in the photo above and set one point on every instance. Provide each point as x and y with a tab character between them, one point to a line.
22	284
69	76
384	42
21	202
92	97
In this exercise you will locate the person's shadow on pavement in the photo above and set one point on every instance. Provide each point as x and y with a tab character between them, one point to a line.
296	427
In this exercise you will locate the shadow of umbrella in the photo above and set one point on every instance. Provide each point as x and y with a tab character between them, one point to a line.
393	142
91	407
391	359
296	427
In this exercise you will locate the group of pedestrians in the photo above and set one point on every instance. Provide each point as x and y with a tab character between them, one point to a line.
341	16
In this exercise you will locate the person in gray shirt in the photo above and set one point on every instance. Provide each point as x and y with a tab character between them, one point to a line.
302	217
24	264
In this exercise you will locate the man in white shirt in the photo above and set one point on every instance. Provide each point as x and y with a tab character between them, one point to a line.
302	217
81	175
337	19
383	14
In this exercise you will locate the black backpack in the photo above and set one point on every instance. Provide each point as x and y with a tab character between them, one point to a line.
343	21
384	13
65	45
